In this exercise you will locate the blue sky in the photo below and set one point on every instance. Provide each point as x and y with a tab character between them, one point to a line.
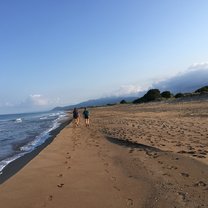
55	53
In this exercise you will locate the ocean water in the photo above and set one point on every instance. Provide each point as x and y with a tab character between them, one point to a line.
22	133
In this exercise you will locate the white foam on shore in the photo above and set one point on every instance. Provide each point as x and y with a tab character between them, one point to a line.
18	120
40	139
6	161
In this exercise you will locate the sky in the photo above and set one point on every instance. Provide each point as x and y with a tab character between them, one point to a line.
62	52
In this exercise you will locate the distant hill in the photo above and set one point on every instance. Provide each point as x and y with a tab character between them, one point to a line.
188	81
97	102
144	96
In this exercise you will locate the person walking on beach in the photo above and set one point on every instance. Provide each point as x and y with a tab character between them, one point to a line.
86	117
76	116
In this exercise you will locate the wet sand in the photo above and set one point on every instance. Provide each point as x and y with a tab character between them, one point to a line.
149	155
13	167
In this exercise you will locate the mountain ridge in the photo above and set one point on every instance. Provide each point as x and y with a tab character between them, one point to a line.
96	102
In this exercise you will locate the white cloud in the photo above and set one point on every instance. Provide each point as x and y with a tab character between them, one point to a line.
127	89
37	100
40	101
34	102
8	104
196	66
188	81
130	90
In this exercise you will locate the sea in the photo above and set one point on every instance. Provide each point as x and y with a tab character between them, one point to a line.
22	133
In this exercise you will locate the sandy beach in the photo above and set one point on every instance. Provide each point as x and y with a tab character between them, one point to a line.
149	155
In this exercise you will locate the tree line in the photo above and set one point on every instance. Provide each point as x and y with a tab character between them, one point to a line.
156	95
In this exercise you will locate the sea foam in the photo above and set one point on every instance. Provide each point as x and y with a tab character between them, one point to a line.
21	134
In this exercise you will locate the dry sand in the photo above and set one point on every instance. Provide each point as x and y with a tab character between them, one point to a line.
152	155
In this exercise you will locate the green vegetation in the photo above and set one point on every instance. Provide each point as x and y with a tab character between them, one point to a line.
155	95
166	94
151	95
111	104
123	102
202	89
179	95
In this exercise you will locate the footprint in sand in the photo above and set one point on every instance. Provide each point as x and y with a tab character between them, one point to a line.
50	198
113	178
129	202
185	174
155	155
200	183
171	167
166	174
182	195
131	150
115	187
106	171
106	164
60	185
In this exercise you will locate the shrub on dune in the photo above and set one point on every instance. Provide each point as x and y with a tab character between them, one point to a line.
166	94
202	89
151	95
178	95
123	102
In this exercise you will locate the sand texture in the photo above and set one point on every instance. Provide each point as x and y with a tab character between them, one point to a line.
148	155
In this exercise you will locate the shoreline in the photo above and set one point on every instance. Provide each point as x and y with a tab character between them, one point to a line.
15	166
133	156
